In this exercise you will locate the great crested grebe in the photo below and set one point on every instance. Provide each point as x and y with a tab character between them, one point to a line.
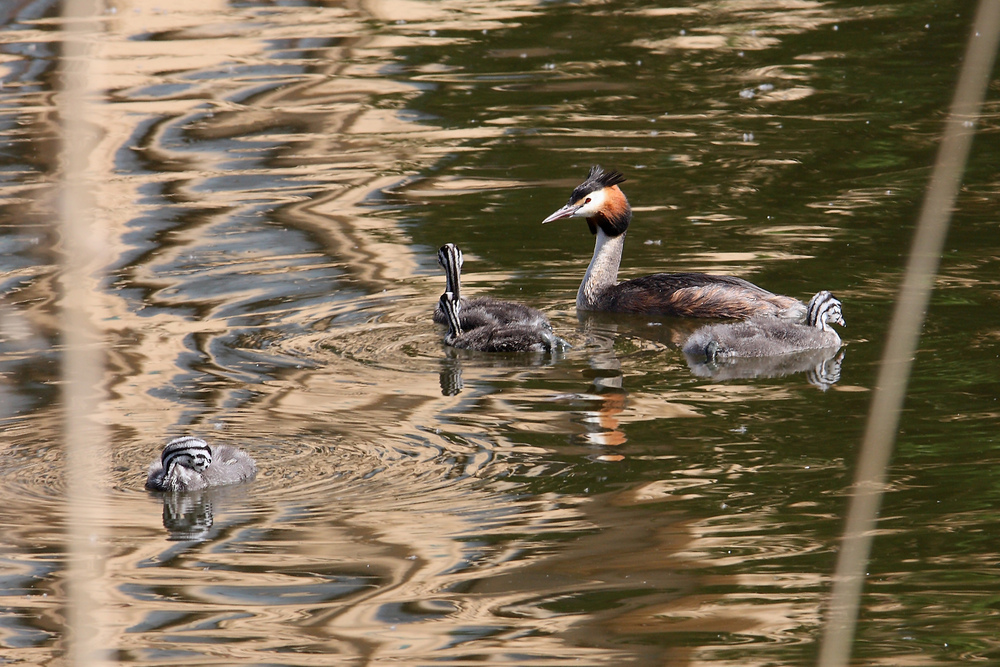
496	336
770	336
480	310
608	214
191	464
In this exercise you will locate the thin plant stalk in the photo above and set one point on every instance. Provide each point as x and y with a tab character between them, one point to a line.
904	334
83	349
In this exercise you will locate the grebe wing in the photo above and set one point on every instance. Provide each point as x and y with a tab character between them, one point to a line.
700	295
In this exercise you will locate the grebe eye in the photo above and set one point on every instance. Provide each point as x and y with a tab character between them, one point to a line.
587	201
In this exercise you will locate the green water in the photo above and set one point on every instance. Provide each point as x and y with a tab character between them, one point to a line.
275	179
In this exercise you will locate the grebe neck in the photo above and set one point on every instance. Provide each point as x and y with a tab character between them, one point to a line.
451	260
603	270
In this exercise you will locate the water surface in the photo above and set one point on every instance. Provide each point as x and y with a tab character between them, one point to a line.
274	179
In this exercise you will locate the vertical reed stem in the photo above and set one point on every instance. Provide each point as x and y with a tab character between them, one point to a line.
904	334
83	353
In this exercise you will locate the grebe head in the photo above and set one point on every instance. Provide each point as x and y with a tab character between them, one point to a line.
825	308
451	260
192	453
600	201
450	255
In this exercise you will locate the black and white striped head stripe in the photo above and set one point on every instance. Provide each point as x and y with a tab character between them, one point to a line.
450	251
812	312
823	309
190	452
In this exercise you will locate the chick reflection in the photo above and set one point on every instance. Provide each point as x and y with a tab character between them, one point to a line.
451	377
188	516
822	367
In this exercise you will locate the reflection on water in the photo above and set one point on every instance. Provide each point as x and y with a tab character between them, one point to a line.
274	179
190	515
822	367
454	360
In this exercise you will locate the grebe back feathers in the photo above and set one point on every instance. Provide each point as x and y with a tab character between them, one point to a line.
603	204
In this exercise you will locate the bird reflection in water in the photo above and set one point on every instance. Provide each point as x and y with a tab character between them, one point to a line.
451	375
190	515
602	425
822	367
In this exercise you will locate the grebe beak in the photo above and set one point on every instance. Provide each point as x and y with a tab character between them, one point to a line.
566	211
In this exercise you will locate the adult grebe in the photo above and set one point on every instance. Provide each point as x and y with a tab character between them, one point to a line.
496	336
770	336
190	464
480	310
603	204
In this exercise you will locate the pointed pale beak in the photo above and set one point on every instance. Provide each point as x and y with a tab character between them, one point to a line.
566	211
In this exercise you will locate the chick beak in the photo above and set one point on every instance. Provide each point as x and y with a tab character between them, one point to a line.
566	211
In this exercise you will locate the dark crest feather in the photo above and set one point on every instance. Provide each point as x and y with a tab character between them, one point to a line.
597	179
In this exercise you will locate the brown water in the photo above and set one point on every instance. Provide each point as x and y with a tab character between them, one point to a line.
274	180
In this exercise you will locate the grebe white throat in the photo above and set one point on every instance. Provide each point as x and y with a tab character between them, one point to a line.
602	272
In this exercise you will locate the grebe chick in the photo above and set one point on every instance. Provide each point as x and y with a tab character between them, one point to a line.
496	336
191	464
770	336
608	214
480	310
